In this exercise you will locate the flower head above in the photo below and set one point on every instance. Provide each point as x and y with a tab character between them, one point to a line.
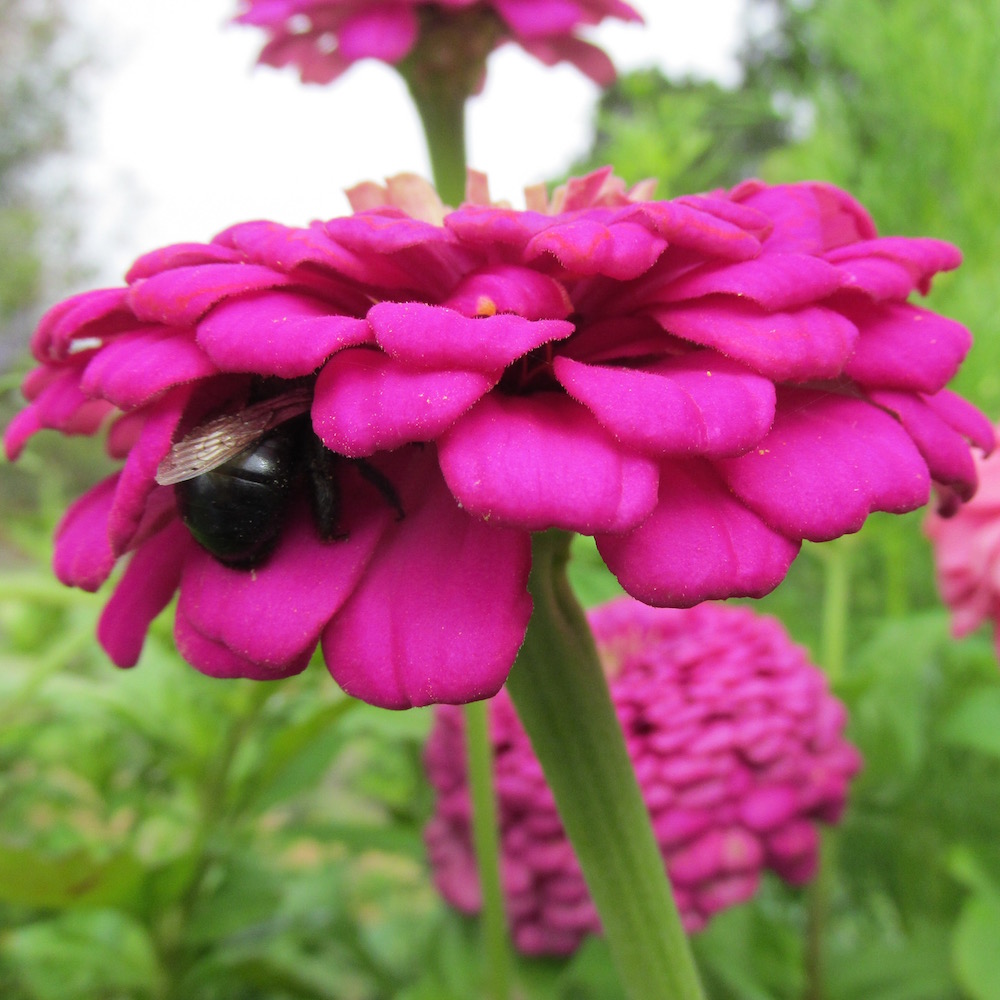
323	38
699	384
737	745
967	554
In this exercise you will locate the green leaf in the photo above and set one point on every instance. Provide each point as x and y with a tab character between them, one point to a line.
975	722
976	946
85	955
30	878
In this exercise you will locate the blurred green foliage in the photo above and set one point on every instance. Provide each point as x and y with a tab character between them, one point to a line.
40	64
164	835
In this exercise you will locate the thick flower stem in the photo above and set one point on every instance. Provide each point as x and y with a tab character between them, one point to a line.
485	837
562	698
442	114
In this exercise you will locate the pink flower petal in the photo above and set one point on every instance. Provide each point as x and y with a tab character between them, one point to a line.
776	281
215	659
904	347
59	405
137	480
509	289
435	337
83	556
136	367
809	343
273	615
180	255
943	448
621	250
700	543
277	333
367	402
827	464
379	31
893	266
144	590
395	644
89	314
808	217
543	461
182	296
700	403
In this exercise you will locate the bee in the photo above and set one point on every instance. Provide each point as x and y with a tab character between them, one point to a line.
234	477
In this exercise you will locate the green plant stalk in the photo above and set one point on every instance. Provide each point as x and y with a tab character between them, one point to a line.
563	701
442	114
479	751
833	656
441	107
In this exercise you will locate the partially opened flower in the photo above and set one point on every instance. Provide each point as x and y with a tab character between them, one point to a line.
323	38
699	384
967	553
739	751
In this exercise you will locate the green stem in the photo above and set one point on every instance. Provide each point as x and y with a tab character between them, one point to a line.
833	655
487	845
563	701
442	114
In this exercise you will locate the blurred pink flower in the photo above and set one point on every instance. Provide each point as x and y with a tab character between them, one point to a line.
323	38
737	745
967	553
699	383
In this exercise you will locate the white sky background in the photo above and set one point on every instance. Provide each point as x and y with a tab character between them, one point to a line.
185	136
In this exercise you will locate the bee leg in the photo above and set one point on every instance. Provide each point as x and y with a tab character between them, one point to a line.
381	482
324	490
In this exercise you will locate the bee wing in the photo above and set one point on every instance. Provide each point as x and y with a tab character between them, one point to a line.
216	441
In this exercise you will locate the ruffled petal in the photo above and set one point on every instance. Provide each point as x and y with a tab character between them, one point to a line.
277	333
83	556
435	337
273	615
773	280
905	347
136	367
58	405
397	645
827	464
367	402
182	296
145	589
808	343
944	450
380	31
544	462
700	543
511	289
586	246
137	480
699	403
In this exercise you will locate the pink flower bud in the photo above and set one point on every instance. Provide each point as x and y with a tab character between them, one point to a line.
721	815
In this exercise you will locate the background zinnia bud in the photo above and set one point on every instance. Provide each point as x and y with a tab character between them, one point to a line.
967	553
737	745
699	384
322	38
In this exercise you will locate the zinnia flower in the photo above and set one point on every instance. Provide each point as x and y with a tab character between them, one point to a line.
323	38
737	745
699	384
967	554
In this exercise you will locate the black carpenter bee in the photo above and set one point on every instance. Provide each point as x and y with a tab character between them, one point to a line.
234	477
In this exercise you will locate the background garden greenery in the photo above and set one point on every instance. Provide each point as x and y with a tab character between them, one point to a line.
167	836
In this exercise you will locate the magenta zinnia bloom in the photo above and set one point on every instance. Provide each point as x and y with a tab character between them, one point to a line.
323	38
699	384
737	745
967	554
